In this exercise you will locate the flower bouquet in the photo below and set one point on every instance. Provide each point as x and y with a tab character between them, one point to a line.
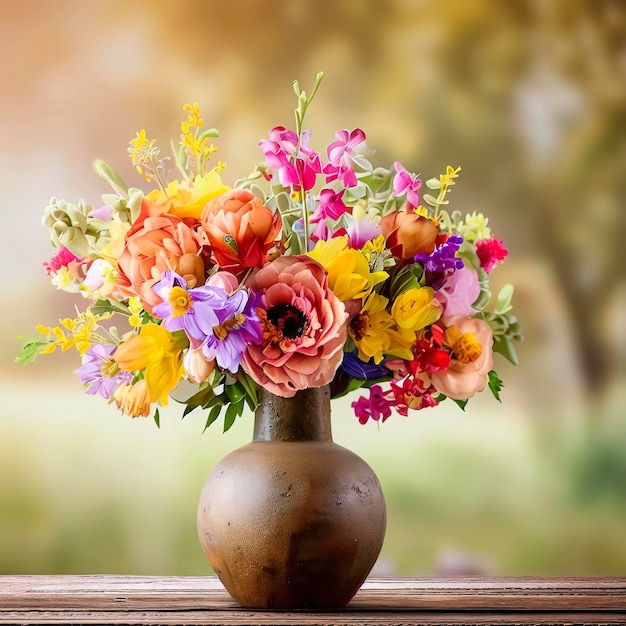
316	269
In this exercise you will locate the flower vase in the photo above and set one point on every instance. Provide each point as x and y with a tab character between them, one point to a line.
292	520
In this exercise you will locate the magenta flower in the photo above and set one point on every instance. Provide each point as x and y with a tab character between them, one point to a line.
294	170
339	156
62	258
405	183
376	407
100	373
490	252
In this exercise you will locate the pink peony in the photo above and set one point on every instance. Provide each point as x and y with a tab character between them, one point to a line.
304	327
461	381
459	291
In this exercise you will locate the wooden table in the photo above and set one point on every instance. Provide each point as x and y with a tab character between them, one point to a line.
195	600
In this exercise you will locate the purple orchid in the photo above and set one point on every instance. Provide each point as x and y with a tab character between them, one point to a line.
339	156
403	182
238	326
356	368
100	373
191	310
441	262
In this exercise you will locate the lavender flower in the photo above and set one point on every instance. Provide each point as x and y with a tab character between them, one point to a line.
99	371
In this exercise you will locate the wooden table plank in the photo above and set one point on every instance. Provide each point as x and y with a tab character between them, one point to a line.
203	600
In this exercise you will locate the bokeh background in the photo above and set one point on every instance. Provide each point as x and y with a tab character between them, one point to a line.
529	97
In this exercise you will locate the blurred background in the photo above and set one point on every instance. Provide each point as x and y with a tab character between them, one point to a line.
527	96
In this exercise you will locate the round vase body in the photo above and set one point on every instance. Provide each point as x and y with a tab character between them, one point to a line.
292	520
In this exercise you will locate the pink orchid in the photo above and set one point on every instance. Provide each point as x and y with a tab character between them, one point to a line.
403	182
339	156
459	291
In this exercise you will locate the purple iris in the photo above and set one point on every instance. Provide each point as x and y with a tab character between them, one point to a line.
100	373
356	368
238	326
442	262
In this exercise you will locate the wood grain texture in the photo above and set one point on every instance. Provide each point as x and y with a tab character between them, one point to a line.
203	600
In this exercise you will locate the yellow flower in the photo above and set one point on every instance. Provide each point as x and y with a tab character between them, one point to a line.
416	308
79	333
134	400
349	275
135	307
188	199
159	353
465	346
144	153
376	334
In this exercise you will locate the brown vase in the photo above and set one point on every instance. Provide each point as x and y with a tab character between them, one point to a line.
292	520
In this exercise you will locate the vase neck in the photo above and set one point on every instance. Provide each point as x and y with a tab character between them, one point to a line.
304	417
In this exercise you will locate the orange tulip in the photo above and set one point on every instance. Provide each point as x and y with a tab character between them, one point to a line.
408	234
241	230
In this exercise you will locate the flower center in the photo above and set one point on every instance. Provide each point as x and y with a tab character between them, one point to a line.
284	321
181	301
359	326
232	323
109	368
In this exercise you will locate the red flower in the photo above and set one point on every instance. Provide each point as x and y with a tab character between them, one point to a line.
490	252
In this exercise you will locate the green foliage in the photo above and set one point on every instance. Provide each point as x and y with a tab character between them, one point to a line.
495	384
30	351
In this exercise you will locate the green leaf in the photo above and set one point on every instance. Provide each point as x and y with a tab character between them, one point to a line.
504	345
156	417
203	398
433	183
108	306
111	176
209	132
232	413
235	392
495	384
250	386
503	302
460	403
30	351
213	415
430	199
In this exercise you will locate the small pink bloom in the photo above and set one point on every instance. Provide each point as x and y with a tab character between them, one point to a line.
459	291
63	258
490	252
461	381
224	280
361	231
304	327
339	156
403	182
376	407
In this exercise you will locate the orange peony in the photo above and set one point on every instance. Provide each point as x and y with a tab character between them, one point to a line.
461	381
157	242
304	327
241	230
408	234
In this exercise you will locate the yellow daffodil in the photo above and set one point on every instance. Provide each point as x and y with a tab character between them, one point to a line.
188	199
349	275
416	308
159	353
376	334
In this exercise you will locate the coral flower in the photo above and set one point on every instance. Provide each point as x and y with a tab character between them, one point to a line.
472	358
158	242
408	234
157	351
241	230
304	327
